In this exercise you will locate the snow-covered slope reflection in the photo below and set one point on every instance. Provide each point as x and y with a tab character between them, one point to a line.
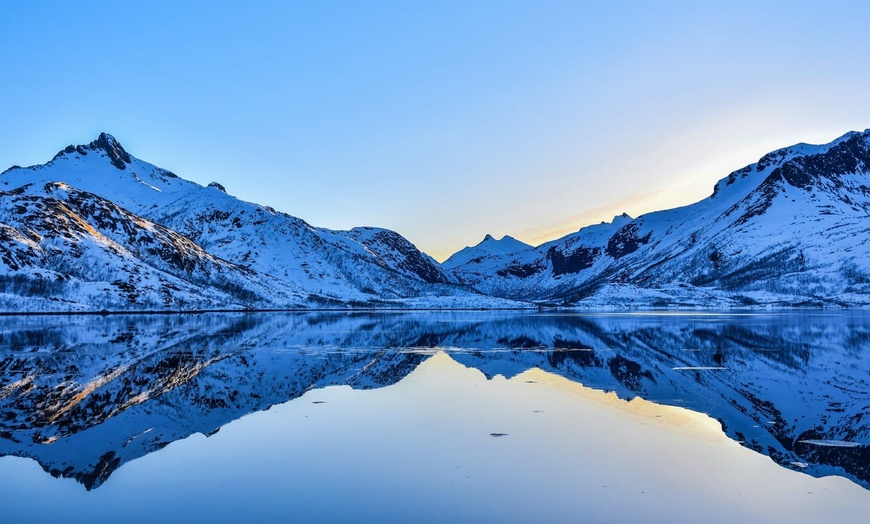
84	395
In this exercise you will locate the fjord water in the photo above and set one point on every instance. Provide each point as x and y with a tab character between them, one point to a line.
436	416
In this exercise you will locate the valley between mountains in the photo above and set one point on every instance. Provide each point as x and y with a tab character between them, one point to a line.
96	229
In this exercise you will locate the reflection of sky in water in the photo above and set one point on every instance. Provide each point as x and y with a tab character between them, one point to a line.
422	450
445	442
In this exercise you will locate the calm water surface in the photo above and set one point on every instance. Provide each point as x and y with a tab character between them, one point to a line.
460	416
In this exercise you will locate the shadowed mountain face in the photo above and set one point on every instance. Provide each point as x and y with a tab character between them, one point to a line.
84	395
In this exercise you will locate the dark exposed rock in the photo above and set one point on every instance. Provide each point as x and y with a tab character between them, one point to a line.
716	257
626	241
573	261
578	353
772	158
846	157
521	270
87	225
118	156
809	171
411	259
520	343
628	372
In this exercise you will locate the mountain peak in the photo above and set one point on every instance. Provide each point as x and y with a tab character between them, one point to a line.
105	143
116	152
218	186
618	219
489	246
506	239
106	140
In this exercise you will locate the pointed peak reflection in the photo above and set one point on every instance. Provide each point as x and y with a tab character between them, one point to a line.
89	394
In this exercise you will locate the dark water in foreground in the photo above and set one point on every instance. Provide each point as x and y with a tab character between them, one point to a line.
473	408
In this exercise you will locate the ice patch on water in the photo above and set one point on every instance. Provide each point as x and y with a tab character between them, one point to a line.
831	443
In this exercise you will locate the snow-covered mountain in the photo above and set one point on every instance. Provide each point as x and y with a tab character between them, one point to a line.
791	229
488	247
64	248
96	228
85	396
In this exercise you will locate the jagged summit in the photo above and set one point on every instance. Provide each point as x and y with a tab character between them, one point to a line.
619	219
489	246
113	148
105	143
506	239
218	186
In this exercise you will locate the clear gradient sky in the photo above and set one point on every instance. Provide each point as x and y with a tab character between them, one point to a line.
441	120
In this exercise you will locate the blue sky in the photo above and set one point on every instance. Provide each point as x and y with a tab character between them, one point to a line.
441	120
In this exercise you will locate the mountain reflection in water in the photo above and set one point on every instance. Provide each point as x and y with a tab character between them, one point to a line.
84	395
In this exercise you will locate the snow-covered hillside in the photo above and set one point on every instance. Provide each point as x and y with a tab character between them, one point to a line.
791	229
96	228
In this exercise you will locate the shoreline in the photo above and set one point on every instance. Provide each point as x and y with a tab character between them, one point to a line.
677	311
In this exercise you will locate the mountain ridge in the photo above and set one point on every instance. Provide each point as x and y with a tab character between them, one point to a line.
282	261
788	230
792	229
487	247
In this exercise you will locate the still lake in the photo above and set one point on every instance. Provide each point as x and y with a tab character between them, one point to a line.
436	417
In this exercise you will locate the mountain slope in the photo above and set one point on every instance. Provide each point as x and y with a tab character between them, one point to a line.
74	251
277	259
488	247
791	229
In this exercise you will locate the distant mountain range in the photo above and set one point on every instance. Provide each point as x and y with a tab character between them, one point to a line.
97	229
